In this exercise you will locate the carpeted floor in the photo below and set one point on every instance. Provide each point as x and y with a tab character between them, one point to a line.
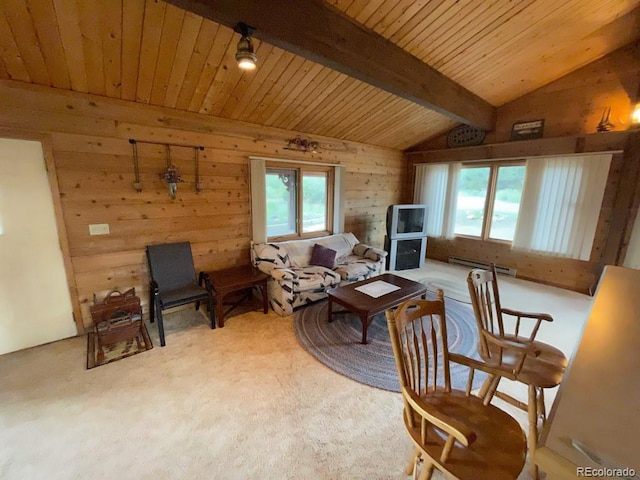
453	288
337	344
243	401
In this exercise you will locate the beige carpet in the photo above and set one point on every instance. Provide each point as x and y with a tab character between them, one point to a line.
450	287
245	401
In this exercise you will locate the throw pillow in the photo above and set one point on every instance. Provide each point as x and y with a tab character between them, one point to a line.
322	256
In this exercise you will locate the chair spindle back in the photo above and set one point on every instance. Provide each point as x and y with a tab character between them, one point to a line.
483	290
418	333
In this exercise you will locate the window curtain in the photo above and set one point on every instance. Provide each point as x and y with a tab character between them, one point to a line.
257	177
436	185
339	176
560	205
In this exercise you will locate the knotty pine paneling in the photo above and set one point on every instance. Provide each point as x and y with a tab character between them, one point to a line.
566	273
157	54
572	107
505	49
94	167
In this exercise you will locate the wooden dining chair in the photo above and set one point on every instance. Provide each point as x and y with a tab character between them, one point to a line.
505	346
452	430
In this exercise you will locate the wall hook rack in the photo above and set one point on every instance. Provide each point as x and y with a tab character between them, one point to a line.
170	175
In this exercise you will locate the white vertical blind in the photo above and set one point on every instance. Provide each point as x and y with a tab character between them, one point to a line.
436	185
452	200
560	205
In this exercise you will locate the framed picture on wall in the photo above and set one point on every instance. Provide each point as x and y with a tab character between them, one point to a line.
527	130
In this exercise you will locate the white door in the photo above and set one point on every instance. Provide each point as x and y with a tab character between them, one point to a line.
35	306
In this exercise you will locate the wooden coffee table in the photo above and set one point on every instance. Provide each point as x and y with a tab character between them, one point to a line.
365	306
236	279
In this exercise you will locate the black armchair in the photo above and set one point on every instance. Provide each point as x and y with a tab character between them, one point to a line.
173	282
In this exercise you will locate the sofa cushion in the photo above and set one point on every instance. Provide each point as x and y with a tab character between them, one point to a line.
272	254
342	243
322	256
369	252
353	267
314	277
300	250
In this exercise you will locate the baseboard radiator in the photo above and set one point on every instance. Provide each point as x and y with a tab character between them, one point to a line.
475	264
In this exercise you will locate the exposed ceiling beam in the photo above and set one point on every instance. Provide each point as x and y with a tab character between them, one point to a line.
316	31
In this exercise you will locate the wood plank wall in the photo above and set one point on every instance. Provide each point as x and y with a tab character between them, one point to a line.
95	172
573	104
571	107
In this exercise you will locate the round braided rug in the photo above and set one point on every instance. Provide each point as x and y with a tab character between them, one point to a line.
337	344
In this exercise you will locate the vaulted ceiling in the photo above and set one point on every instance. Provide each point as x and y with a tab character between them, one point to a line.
156	53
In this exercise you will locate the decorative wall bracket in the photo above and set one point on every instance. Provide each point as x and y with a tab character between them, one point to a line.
170	174
302	145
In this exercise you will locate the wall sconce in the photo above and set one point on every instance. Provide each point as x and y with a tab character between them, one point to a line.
244	54
635	116
302	145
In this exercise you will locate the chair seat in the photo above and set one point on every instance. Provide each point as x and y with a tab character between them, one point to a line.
500	442
546	370
182	295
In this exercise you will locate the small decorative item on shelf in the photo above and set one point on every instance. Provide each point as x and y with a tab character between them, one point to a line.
465	136
172	177
605	124
529	130
302	145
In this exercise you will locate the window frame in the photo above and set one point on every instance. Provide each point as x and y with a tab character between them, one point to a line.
490	198
301	169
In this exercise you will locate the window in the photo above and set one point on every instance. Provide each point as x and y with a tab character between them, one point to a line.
282	201
489	200
554	209
299	200
473	184
506	204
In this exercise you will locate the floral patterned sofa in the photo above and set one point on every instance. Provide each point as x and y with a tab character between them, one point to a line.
294	282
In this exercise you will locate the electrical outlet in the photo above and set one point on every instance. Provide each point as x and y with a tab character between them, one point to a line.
99	229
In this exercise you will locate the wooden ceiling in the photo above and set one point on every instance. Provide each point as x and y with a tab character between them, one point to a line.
155	53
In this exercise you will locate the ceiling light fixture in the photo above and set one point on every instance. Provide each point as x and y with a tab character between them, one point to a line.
244	54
